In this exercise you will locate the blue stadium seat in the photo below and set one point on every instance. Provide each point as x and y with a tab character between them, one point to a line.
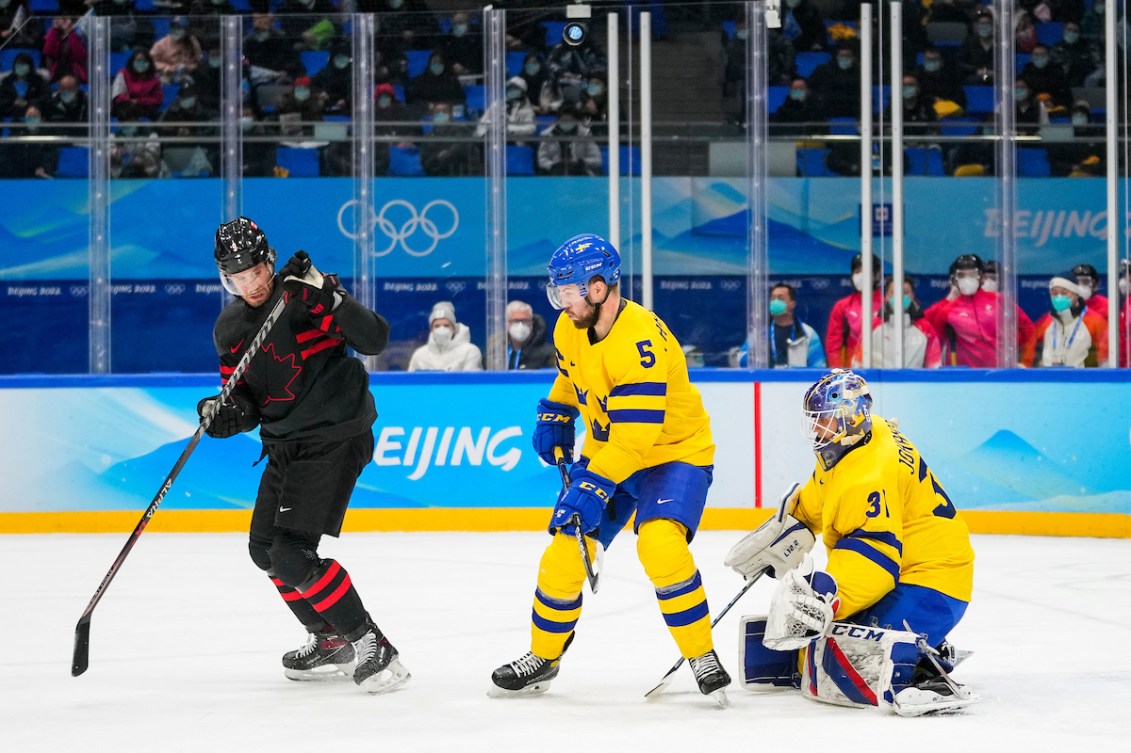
243	6
146	6
1021	60
806	62
160	26
73	162
775	96
515	61
314	60
399	91
118	61
405	161
1033	162
1050	32
811	162
520	160
843	126
629	159
923	160
300	163
43	6
169	92
476	97
553	32
959	127
979	99
8	56
417	61
729	29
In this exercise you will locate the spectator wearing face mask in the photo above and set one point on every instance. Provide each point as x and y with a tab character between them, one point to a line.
1084	156
449	151
989	277
976	53
27	159
267	48
177	53
966	320
1046	79
534	74
526	339
802	26
64	50
258	150
792	343
567	147
1029	114
135	149
1088	280
918	114
837	83
392	124
307	24
847	317
300	108
594	105
22	87
518	112
462	47
438	83
68	105
939	80
921	348
1092	23
1078	57
336	80
206	78
800	114
1069	334
449	346
136	90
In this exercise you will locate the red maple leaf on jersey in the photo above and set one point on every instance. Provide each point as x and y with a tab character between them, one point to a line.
275	393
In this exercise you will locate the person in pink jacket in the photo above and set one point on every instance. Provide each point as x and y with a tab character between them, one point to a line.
137	89
65	50
843	335
177	53
966	320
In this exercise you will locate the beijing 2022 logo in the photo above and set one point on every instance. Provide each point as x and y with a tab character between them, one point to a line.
418	233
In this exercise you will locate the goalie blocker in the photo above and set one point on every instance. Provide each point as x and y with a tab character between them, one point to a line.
853	665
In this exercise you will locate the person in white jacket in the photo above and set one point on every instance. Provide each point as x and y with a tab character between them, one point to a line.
449	346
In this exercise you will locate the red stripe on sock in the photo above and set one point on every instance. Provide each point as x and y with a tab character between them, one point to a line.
323	581
333	598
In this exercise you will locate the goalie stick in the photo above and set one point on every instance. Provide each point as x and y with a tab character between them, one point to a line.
666	680
591	573
81	658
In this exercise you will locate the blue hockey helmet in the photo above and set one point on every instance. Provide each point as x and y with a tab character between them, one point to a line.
836	415
577	262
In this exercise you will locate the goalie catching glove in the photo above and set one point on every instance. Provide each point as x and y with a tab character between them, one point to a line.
801	609
320	293
778	545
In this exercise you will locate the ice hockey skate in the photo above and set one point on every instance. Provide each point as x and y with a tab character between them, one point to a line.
379	669
711	677
937	696
527	675
326	656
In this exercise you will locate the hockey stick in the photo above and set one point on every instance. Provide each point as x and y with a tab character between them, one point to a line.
591	573
667	679
82	630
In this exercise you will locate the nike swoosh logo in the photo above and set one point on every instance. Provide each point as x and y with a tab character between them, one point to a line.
240	343
662	501
285	509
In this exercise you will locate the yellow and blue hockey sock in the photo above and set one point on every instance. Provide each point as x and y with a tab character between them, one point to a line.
557	600
662	547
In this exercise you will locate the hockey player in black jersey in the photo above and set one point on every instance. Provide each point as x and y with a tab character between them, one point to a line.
312	404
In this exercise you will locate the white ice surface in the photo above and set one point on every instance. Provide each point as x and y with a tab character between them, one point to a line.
185	650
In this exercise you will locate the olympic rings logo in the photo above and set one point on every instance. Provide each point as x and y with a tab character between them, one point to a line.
417	233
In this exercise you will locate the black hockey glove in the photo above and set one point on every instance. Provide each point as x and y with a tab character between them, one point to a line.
302	281
230	418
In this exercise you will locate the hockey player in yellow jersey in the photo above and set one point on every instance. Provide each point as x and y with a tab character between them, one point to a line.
899	563
649	452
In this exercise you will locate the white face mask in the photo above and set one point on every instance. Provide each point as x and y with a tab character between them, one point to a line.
990	285
1086	291
519	331
968	285
858	280
1123	286
442	335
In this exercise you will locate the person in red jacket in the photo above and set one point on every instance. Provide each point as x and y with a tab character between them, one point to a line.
65	50
1124	312
1071	334
843	334
137	89
1088	278
966	320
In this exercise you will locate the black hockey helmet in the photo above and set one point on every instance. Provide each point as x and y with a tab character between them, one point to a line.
240	245
1086	270
858	263
968	261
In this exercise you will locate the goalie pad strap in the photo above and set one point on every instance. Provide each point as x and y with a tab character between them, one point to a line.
857	665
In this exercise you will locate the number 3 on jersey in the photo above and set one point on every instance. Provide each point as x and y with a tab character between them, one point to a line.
945	509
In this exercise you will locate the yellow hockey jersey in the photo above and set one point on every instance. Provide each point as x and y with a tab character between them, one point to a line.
634	395
887	520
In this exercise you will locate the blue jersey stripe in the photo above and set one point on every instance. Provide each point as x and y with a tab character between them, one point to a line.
884	537
553	603
550	626
870	553
681	589
658	389
687	616
636	416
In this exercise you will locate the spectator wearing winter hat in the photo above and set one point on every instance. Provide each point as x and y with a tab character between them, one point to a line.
449	346
519	111
176	54
303	104
1070	334
1088	278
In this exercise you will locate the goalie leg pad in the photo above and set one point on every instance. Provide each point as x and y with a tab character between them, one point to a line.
761	666
857	665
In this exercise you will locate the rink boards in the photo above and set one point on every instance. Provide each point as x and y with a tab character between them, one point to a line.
1039	452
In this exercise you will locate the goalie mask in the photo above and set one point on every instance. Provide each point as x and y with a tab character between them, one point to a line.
240	245
836	415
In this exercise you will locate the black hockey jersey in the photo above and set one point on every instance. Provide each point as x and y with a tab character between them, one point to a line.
303	382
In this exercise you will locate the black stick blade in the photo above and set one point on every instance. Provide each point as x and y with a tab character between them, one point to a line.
82	647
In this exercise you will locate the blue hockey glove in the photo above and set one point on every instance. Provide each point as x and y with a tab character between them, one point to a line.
586	497
555	428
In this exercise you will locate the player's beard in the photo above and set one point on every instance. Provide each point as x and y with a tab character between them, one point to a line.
589	318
